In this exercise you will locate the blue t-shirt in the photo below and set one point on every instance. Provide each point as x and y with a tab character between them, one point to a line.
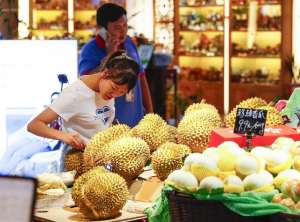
91	55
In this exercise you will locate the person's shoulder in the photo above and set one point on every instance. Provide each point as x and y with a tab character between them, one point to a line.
78	91
90	45
129	41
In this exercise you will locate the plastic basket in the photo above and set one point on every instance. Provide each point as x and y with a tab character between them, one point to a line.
183	208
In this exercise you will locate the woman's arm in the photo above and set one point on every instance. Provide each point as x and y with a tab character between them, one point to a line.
147	101
39	126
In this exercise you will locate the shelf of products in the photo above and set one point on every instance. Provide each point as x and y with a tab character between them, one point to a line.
85	20
200	51
256	46
49	19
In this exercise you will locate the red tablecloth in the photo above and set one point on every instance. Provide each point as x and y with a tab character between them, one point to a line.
226	134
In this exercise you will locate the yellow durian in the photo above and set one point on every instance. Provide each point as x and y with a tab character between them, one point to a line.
73	160
153	130
100	195
167	158
127	156
94	153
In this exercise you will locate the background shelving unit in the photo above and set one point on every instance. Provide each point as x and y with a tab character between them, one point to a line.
49	20
199	37
256	70
256	50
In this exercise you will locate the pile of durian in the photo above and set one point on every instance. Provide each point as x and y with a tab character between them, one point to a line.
273	116
236	170
126	151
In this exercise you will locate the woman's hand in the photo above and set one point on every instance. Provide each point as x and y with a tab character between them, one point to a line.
74	140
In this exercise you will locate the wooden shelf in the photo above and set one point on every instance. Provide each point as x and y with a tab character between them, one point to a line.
200	6
255	57
259	30
190	30
263	85
50	10
260	4
83	30
201	56
54	30
85	10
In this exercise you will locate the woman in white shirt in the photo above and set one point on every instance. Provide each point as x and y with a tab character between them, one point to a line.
87	106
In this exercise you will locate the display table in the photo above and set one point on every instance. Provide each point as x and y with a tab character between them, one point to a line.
68	214
49	208
221	135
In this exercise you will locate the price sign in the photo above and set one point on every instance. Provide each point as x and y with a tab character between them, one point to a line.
250	121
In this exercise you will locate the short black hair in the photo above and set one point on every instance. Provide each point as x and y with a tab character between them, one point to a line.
109	12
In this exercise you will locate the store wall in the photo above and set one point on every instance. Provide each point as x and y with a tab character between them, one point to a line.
8	19
142	22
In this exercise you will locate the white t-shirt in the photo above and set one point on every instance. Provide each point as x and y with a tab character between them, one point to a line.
77	107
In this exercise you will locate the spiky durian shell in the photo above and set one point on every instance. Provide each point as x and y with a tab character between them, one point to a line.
195	134
172	133
128	156
94	153
204	115
251	103
199	106
230	118
101	194
274	118
73	160
79	182
152	129
167	158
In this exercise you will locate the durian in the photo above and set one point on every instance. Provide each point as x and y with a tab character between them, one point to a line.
94	153
210	183
73	160
273	116
199	106
279	161
262	152
167	158
100	195
182	180
228	153
258	182
204	114
128	156
79	182
291	188
286	175
253	103
212	152
154	130
233	184
200	165
296	163
172	133
195	128
247	164
283	143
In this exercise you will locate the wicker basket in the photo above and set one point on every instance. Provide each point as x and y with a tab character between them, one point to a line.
186	209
